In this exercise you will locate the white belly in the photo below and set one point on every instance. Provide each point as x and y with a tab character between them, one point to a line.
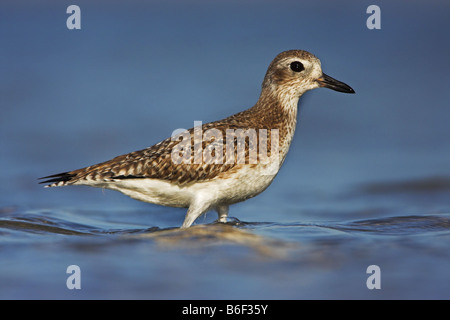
239	186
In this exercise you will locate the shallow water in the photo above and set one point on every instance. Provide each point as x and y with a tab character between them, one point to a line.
366	181
314	253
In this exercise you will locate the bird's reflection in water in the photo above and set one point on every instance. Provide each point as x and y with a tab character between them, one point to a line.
219	233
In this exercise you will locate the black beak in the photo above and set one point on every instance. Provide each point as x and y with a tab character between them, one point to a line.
328	82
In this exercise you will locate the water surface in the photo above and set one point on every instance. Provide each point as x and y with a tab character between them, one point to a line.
301	253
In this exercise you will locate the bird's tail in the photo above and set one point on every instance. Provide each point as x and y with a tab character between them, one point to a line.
59	179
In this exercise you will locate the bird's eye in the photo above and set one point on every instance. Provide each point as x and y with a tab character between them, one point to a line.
297	66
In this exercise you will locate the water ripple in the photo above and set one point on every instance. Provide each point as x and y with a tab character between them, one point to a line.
401	225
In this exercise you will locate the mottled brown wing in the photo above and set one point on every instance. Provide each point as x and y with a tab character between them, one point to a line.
157	162
199	158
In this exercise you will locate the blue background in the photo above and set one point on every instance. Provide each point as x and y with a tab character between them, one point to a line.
138	70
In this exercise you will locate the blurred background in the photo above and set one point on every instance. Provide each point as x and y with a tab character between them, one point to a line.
366	181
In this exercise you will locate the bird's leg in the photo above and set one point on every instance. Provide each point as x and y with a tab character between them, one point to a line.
195	210
222	212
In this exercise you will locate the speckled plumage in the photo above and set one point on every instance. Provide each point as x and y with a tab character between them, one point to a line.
152	175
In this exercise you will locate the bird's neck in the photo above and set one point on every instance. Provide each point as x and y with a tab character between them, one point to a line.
278	110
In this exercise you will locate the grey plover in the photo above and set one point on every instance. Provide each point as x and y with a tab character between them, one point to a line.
212	165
